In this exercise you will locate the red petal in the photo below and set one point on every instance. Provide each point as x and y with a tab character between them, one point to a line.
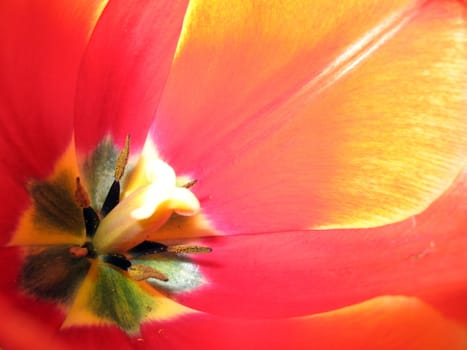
14	200
287	125
383	323
304	272
20	331
125	70
41	49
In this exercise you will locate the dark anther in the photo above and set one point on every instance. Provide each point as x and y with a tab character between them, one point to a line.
117	260
112	199
91	251
148	247
91	221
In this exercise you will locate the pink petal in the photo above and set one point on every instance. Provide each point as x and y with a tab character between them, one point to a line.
382	323
305	272
125	69
287	123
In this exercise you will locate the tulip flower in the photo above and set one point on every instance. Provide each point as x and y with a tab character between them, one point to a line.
233	174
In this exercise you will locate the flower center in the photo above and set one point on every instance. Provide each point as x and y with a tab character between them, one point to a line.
117	234
95	253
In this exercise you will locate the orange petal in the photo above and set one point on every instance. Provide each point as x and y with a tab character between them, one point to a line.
358	125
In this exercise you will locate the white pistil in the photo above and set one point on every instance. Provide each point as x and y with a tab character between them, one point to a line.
145	210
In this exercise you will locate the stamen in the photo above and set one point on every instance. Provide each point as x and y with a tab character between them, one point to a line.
188	249
143	272
117	260
149	247
91	219
78	252
113	197
122	159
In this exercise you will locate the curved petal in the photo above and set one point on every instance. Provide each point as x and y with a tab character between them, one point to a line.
354	121
304	272
125	69
42	47
382	323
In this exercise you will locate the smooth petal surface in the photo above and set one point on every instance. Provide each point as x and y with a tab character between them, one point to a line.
42	47
41	50
326	115
30	332
383	323
304	272
125	69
